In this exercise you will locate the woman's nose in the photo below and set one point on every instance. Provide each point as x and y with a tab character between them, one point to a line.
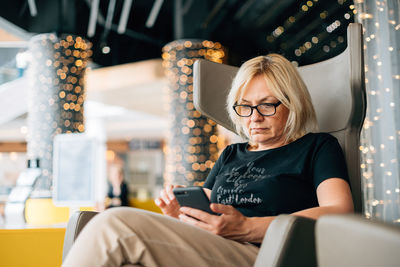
256	116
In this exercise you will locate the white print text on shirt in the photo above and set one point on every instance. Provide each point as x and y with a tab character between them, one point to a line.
235	195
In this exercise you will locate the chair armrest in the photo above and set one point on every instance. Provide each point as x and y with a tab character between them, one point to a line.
289	241
352	240
75	225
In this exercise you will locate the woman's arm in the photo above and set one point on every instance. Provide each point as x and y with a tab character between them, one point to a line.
333	195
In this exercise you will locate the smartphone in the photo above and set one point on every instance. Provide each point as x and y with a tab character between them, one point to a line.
193	197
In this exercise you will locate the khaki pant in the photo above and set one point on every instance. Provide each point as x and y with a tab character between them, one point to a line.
128	236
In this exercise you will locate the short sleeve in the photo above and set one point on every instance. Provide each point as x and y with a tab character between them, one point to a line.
329	162
209	183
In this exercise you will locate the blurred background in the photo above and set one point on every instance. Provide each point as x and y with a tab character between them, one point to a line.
127	85
96	101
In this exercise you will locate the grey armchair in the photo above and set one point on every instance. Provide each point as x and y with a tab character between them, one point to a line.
337	89
76	222
338	93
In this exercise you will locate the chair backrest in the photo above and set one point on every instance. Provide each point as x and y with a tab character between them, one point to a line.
337	89
350	240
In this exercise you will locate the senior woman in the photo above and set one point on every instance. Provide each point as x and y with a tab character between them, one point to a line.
283	168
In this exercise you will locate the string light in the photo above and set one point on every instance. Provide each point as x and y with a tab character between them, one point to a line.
380	167
192	141
56	95
324	35
333	26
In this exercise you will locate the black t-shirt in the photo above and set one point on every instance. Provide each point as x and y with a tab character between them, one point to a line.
276	181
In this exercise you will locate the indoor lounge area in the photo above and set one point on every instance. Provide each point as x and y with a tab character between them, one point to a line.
200	133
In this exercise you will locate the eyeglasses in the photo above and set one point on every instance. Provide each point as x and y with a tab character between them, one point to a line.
265	109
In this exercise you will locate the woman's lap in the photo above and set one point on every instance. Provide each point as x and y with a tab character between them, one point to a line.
126	235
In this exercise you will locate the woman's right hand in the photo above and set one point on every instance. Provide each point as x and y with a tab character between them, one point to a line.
167	202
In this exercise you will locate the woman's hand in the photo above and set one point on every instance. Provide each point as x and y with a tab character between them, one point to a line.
167	202
230	224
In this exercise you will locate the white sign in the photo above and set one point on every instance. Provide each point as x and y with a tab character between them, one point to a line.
74	170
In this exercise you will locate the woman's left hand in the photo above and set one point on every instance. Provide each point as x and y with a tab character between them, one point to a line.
230	224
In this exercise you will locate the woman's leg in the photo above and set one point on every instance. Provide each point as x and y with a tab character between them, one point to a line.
121	236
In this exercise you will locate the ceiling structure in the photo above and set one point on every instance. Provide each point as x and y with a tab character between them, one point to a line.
124	31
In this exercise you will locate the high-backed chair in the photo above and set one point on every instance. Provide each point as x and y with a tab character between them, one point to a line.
338	93
337	89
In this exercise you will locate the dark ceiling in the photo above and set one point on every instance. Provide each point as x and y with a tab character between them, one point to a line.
247	28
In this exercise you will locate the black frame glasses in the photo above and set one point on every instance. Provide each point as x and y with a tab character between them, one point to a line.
236	109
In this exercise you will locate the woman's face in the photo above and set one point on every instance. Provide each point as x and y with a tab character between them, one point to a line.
265	132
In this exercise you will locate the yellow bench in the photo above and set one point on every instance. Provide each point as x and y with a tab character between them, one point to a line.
40	247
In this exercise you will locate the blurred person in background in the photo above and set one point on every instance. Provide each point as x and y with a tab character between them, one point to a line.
117	194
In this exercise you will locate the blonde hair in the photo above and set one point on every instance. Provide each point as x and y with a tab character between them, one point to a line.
287	86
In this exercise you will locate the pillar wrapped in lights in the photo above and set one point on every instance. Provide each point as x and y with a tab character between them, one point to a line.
56	95
192	141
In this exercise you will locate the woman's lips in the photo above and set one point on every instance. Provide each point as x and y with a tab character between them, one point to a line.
258	129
